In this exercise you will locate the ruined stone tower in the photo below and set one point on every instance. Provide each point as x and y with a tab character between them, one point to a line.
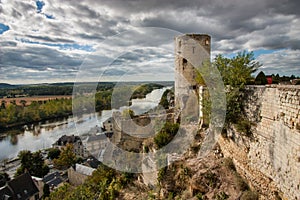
191	51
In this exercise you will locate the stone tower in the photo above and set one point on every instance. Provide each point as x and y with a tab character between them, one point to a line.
189	48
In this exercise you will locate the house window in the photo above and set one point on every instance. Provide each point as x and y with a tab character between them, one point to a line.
184	61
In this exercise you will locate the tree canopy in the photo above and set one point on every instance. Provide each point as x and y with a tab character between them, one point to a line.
66	159
166	134
261	79
53	153
105	183
237	71
4	177
33	163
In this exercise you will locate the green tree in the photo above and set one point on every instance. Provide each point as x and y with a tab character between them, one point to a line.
292	77
61	192
4	177
66	159
166	134
26	159
33	163
236	73
53	153
275	78
104	184
261	79
38	166
164	101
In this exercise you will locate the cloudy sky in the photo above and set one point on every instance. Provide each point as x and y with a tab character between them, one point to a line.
58	41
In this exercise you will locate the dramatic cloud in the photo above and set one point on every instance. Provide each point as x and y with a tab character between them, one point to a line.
281	62
50	40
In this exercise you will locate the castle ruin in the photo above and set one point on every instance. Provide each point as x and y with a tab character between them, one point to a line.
270	159
191	52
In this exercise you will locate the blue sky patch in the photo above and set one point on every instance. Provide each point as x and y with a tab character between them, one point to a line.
263	51
39	5
49	16
62	46
257	53
3	28
39	8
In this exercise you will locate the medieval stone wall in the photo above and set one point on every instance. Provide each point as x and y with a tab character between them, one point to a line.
271	159
191	51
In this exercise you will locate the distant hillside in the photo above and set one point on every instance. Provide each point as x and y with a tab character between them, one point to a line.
6	85
66	88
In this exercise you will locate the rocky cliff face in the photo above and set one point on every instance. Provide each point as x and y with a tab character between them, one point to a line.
270	159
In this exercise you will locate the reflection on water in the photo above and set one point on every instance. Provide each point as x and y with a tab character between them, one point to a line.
43	135
13	139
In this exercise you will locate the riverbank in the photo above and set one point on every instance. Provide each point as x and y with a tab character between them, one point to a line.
21	125
43	134
17	112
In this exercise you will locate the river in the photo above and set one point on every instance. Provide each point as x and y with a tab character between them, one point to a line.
43	135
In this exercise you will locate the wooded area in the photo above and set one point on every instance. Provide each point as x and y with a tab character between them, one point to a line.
14	114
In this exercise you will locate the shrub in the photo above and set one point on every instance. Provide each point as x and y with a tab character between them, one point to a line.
166	134
199	196
164	102
171	195
211	178
244	126
221	196
151	195
249	195
240	183
161	139
228	163
161	174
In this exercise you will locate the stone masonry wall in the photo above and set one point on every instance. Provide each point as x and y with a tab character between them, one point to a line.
191	51
271	159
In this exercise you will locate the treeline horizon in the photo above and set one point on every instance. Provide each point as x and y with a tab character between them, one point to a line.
15	115
64	88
